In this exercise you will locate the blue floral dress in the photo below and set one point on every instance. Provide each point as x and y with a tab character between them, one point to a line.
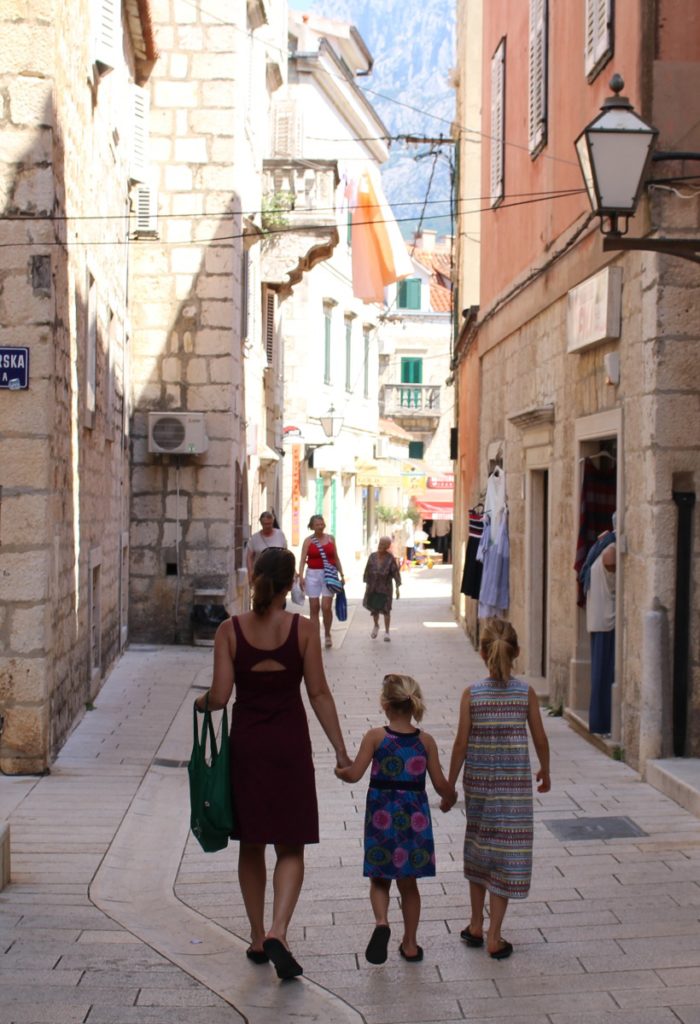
398	828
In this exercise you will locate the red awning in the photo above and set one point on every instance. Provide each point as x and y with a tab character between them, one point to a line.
436	504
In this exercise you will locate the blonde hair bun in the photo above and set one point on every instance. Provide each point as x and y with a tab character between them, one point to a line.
499	647
403	693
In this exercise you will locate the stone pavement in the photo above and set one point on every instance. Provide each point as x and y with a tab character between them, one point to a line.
115	916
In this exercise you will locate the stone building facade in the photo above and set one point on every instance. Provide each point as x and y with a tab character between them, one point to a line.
66	176
582	352
196	307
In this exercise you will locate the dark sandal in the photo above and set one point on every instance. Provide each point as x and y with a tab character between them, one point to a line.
416	958
378	944
283	961
475	941
502	953
257	956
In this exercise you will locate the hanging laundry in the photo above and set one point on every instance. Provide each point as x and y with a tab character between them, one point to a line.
494	596
473	568
379	255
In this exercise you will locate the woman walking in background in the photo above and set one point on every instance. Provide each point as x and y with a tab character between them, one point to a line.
381	572
491	746
265	654
316	549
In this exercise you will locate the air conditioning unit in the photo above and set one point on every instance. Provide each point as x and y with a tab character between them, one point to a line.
381	448
177	433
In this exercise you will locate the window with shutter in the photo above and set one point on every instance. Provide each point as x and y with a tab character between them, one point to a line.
146	212
498	104
287	129
537	136
327	313
106	24
269	326
138	169
348	354
598	46
409	293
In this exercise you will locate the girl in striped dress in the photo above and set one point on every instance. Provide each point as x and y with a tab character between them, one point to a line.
491	746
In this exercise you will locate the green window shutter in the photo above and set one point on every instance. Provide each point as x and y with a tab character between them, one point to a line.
327	347
416	449
411	370
409	293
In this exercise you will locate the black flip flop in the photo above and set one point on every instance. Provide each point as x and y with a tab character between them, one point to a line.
416	958
257	956
283	961
378	944
475	941
502	953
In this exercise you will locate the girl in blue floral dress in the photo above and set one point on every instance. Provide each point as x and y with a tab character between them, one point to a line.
398	829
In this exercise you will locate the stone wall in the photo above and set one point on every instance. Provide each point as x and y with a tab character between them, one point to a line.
66	139
189	291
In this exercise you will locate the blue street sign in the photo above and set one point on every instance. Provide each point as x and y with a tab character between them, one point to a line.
14	368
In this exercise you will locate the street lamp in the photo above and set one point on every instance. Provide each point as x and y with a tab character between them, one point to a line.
331	423
614	152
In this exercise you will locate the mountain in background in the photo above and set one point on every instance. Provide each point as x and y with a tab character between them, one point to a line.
412	42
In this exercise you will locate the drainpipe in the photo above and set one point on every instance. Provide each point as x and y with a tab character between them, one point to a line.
685	500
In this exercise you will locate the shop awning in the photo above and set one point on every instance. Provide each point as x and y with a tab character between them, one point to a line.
437	501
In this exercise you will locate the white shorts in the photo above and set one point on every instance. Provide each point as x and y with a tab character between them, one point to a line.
315	586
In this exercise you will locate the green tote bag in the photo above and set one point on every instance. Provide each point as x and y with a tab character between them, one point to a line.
211	813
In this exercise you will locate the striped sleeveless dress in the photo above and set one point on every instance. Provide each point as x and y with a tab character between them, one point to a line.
498	789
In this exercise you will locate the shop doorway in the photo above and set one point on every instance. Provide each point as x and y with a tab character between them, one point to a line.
597	496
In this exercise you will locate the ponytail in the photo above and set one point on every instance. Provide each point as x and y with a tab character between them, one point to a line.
499	648
273	573
402	693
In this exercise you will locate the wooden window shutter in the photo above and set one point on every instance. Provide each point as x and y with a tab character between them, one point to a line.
537	135
138	169
106	25
269	326
498	103
287	129
598	46
146	211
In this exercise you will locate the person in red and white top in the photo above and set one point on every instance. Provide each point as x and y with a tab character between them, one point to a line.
312	582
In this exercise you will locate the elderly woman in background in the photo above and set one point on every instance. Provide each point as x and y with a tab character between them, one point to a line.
380	573
265	654
268	537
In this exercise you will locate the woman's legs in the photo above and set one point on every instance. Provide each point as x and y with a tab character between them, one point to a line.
287	880
314	607
252	877
375	627
497	911
327	612
387	622
477	896
379	898
410	908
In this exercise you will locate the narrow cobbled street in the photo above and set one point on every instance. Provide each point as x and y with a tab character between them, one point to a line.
115	916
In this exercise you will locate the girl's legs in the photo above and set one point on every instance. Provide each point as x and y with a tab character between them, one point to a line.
379	898
252	877
327	612
286	885
497	911
477	895
314	606
375	627
410	909
387	622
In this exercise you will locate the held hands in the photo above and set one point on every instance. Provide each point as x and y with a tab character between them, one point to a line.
342	761
544	781
448	802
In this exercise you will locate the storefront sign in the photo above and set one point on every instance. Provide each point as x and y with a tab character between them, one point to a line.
594	310
296	491
445	482
14	368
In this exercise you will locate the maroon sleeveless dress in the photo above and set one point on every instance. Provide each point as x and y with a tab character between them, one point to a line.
272	771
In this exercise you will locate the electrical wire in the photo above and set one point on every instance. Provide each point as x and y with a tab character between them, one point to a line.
267	232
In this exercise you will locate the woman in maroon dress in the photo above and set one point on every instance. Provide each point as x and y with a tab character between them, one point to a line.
265	653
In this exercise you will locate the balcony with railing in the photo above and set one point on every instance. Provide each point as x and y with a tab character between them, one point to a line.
411	401
298	218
